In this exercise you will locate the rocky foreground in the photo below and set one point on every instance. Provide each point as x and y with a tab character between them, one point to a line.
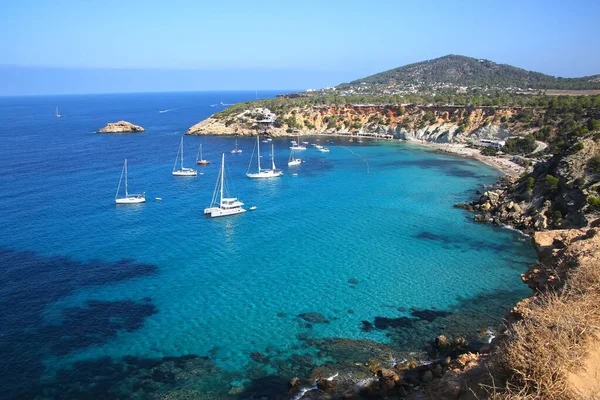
120	127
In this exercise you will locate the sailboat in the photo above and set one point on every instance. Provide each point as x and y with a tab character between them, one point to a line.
225	205
183	171
296	146
236	150
292	162
129	198
57	114
199	159
263	173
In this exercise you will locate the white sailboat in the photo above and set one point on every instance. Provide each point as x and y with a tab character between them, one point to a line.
263	173
199	159
129	198
183	171
57	114
236	150
296	146
292	162
225	205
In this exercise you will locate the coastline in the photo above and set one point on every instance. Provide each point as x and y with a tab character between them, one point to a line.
504	165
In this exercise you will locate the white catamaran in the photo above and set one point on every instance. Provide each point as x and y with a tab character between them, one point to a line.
183	171
129	198
263	173
223	206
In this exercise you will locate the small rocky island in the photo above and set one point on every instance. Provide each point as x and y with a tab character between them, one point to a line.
120	127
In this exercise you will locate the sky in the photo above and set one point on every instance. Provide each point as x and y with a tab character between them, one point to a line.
92	46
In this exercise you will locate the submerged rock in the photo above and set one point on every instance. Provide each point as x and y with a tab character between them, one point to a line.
314	317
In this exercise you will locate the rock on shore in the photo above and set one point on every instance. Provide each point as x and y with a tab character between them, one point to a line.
120	127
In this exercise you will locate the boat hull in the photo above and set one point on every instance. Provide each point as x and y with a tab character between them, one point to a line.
294	163
236	151
264	174
185	173
202	162
215	212
130	200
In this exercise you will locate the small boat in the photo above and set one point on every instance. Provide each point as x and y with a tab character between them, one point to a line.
252	208
236	150
324	149
57	114
292	162
158	198
199	159
225	205
263	173
304	142
318	146
129	198
183	171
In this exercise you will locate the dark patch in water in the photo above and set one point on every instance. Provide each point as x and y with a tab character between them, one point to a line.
266	387
429	315
458	242
30	282
95	324
314	318
401	322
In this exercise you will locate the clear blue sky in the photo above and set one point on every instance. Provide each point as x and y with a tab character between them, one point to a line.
151	45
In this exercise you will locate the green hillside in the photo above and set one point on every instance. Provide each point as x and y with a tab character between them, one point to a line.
471	72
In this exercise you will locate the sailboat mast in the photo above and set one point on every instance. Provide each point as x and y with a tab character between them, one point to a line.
181	153
126	187
222	177
258	144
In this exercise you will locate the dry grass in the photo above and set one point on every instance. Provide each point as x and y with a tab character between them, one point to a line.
538	351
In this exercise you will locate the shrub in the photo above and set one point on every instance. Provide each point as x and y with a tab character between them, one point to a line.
594	164
594	202
489	151
577	147
529	183
523	145
551	183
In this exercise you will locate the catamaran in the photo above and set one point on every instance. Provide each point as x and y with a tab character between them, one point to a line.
225	205
129	198
236	150
57	114
263	173
183	171
199	159
292	162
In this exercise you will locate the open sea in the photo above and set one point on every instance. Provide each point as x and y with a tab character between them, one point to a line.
354	251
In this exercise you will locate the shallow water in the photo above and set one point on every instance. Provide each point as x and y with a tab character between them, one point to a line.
367	230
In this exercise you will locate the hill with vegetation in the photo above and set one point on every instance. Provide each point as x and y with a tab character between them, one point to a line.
460	72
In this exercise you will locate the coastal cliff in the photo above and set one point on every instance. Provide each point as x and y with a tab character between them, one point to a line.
120	127
441	124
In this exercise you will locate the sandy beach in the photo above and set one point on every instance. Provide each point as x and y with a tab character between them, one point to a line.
507	166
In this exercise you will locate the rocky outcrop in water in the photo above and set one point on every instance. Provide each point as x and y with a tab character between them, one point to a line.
120	127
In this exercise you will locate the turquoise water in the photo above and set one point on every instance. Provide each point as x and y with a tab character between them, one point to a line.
367	230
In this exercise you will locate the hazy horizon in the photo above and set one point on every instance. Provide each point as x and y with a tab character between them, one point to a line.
140	46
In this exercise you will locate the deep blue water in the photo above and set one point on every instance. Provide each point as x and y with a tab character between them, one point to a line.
367	230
